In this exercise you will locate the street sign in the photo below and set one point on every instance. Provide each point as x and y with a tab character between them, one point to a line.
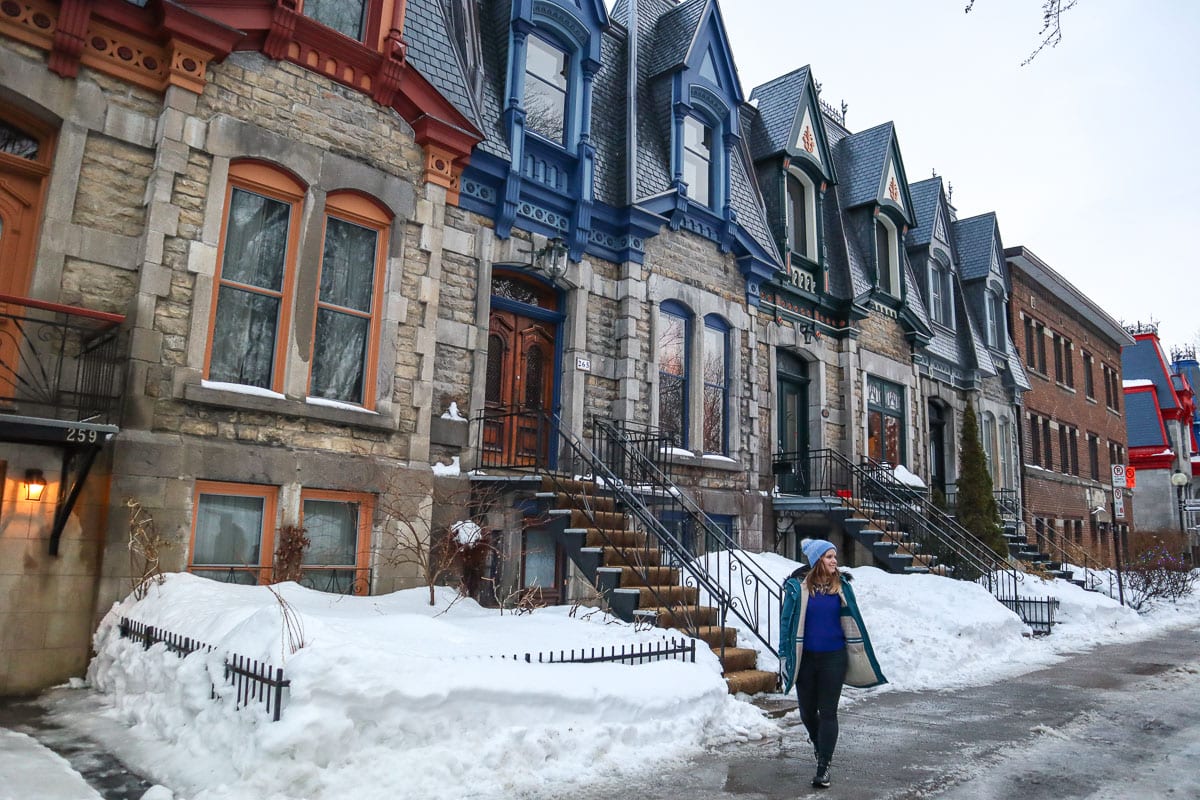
1118	476
1130	478
1118	502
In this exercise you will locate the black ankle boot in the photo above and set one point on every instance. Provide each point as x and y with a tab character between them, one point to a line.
821	779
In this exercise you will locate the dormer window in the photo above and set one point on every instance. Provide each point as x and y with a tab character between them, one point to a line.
996	329
546	80
697	160
347	17
941	293
802	216
887	256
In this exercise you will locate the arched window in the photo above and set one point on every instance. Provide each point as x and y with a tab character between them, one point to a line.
349	300
674	332
802	215
716	385
887	256
255	273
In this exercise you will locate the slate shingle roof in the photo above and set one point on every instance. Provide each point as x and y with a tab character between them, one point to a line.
863	157
610	114
778	105
975	244
494	44
1142	424
429	49
925	196
674	34
1143	361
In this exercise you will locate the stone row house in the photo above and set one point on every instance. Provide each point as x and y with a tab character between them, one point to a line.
288	241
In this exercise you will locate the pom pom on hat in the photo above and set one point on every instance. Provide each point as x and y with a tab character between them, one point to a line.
815	548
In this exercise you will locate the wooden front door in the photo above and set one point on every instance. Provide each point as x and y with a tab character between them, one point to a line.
520	389
25	151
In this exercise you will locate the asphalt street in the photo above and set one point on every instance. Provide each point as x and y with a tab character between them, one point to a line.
1117	722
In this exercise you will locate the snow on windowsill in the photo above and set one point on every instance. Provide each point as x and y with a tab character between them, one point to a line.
322	401
241	388
719	457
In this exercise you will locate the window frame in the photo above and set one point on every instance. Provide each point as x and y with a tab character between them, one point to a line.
1089	378
677	311
357	209
882	410
266	557
714	324
366	512
275	183
886	231
809	188
568	74
706	128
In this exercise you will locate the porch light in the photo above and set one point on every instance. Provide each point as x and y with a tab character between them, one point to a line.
551	260
35	485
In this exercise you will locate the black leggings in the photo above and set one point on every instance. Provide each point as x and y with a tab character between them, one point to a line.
819	687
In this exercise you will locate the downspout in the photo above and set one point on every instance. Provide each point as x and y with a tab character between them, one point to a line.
631	138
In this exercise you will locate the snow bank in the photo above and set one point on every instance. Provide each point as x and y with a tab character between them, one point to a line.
392	698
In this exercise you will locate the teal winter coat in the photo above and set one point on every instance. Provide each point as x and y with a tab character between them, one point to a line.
862	670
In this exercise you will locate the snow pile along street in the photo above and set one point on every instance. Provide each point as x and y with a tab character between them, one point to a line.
393	698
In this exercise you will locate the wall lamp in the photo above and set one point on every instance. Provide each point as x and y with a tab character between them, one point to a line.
35	485
809	330
550	260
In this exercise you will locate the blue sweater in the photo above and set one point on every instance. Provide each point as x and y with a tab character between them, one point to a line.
822	624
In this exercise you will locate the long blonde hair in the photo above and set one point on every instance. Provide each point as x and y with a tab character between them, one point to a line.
823	584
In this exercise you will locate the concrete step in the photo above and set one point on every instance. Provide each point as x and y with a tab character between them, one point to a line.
737	659
716	635
683	617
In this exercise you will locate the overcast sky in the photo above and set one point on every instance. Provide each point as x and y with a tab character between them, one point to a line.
1087	155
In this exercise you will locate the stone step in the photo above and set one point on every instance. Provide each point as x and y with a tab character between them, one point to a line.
737	659
632	556
633	577
598	519
616	538
716	635
653	595
752	681
683	617
564	500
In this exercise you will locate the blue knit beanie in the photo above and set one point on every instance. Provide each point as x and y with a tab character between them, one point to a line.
814	549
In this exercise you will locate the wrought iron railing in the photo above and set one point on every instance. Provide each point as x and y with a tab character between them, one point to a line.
1063	551
633	471
59	362
671	649
872	490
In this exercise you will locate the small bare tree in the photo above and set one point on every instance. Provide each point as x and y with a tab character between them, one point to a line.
145	550
437	531
1158	575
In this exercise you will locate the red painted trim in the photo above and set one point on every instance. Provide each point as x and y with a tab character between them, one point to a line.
73	311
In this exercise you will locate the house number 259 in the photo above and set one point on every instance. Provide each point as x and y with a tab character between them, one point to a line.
81	435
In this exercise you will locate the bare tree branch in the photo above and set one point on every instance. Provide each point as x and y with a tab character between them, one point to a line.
1051	32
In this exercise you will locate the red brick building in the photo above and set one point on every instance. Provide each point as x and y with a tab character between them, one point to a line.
1072	427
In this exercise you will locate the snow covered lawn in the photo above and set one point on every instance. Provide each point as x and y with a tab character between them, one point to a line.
393	698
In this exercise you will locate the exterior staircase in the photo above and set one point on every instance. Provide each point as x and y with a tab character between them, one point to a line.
637	577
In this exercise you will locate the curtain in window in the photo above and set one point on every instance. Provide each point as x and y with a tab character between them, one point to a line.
344	16
228	534
250	297
344	311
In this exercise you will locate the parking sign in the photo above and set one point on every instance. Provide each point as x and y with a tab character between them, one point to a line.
1118	476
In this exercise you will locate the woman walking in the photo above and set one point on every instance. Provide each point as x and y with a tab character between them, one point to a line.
823	644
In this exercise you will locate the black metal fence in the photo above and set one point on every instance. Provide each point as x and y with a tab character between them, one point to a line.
1036	612
59	362
254	681
641	653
